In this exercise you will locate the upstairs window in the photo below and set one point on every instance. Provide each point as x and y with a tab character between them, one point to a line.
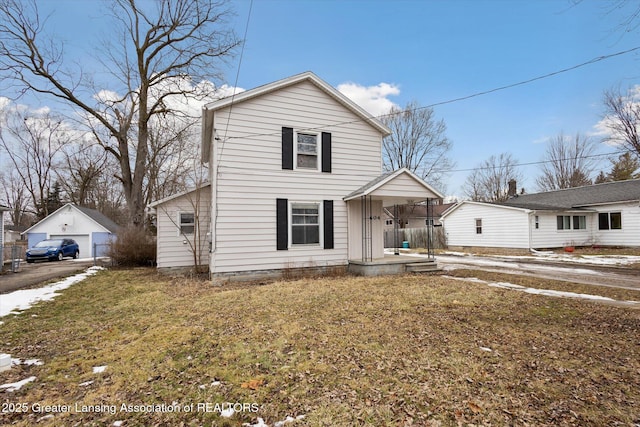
307	153
187	223
610	221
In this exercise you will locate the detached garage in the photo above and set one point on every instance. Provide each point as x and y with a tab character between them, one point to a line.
85	226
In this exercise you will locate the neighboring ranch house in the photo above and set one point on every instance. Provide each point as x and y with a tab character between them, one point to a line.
85	226
415	216
296	183
603	214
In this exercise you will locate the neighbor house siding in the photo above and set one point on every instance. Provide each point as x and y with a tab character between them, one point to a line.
629	235
548	235
174	249
247	161
501	227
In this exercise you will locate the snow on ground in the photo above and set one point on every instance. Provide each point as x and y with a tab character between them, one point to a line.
535	291
99	369
282	423
28	362
23	299
611	260
11	387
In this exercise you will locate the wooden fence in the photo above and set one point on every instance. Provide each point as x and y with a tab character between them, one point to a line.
417	237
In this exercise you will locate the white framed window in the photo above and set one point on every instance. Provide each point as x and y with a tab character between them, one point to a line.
563	222
610	221
307	149
389	222
579	222
537	222
429	222
478	225
305	223
187	222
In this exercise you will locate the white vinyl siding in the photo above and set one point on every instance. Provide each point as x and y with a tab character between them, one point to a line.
628	234
175	248
251	177
500	226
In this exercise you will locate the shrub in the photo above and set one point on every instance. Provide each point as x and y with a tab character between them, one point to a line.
133	247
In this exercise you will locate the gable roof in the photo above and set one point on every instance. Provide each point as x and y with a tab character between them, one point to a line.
577	197
373	185
207	116
178	195
94	215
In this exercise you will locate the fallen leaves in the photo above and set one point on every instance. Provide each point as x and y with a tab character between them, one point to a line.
253	384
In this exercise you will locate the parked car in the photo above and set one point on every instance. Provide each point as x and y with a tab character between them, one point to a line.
53	249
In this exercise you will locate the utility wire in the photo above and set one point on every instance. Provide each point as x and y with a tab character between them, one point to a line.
463	98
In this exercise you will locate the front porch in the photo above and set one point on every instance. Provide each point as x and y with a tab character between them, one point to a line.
392	264
366	224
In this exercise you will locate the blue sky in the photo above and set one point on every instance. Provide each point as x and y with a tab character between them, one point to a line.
434	51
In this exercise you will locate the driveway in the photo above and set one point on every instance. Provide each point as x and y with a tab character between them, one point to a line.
34	274
598	275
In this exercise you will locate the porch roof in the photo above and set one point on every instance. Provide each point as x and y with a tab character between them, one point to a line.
396	187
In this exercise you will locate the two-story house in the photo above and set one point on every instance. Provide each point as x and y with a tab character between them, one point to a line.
295	182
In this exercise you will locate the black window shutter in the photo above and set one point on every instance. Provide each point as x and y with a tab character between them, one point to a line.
327	207
326	152
287	148
282	224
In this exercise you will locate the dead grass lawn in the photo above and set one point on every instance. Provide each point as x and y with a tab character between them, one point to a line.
421	350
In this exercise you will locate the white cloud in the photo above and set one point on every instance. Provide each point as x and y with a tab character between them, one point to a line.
374	99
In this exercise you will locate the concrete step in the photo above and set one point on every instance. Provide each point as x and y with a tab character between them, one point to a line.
422	267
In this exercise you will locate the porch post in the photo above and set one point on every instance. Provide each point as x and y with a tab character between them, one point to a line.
396	230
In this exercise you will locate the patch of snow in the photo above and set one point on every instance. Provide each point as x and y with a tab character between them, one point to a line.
260	423
454	253
487	349
99	369
117	423
227	413
216	383
86	383
535	291
282	423
24	299
11	387
28	362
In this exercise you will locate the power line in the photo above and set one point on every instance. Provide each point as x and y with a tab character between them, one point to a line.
459	99
541	162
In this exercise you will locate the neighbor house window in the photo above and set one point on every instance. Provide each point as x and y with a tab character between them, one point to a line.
187	222
305	224
307	151
579	222
389	222
564	222
478	226
610	221
537	221
429	222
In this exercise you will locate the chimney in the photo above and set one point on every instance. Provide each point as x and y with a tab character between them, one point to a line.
513	188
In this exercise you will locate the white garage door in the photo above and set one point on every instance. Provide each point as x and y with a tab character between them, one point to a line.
81	239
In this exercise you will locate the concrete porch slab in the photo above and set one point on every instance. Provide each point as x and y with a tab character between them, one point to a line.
392	264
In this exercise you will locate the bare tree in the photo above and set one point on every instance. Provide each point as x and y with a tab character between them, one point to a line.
569	162
33	142
621	119
417	142
155	50
489	182
15	197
